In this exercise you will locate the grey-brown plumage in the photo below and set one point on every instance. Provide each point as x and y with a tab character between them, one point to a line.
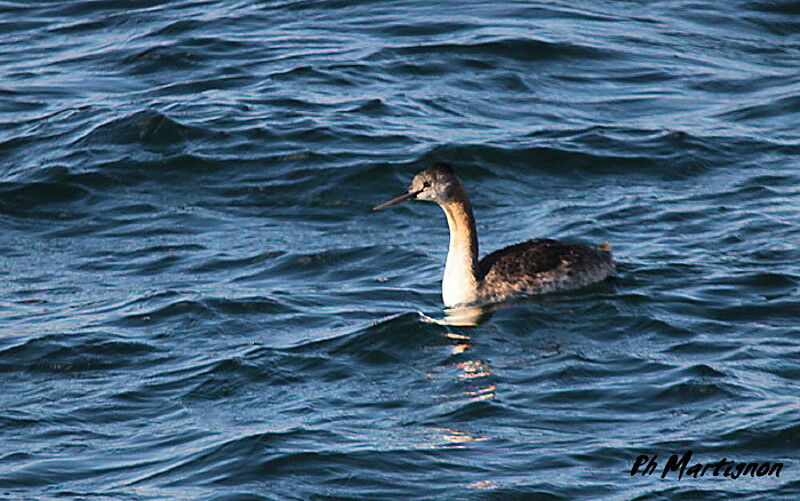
539	266
533	267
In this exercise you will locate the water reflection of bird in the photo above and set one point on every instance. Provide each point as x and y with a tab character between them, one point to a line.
534	267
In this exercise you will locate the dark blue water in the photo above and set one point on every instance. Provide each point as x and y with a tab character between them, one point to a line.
198	303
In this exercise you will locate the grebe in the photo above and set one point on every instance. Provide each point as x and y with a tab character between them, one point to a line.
534	267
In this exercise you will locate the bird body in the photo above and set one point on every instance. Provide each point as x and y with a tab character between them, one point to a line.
533	267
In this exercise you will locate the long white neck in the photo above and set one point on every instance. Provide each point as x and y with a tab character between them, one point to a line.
460	281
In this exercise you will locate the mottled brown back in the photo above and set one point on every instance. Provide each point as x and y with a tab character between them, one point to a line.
541	255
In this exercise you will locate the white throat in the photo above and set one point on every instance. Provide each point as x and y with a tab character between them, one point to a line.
460	284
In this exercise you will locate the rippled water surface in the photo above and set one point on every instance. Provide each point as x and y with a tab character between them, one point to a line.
198	303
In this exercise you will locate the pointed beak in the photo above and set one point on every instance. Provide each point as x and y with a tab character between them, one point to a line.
409	195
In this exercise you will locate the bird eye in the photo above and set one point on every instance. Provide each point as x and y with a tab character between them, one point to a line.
426	184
